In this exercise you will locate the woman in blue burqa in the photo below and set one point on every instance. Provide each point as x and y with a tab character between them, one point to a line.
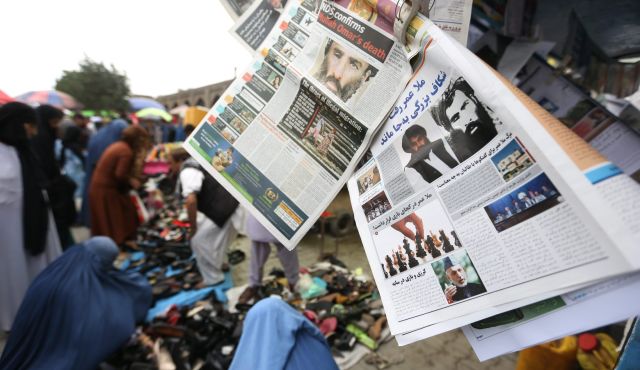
106	136
77	312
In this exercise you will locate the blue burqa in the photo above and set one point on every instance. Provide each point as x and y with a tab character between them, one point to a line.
98	143
77	312
277	337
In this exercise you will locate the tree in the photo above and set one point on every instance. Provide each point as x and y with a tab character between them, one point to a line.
96	86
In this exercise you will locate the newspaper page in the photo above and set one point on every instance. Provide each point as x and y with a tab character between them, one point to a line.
621	193
253	27
285	137
460	210
236	8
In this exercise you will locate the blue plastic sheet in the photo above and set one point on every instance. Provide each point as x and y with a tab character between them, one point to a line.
190	297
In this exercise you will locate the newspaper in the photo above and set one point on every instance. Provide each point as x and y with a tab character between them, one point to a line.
534	324
460	210
284	138
453	17
521	324
621	188
507	328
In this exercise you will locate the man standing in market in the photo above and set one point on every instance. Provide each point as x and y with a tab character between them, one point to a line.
213	213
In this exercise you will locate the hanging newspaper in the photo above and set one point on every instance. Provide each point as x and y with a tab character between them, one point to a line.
590	307
517	325
460	210
284	138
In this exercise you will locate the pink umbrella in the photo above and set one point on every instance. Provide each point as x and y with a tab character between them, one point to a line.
52	97
4	98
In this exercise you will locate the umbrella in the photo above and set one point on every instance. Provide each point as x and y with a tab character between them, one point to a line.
52	97
103	113
154	114
141	103
181	110
4	98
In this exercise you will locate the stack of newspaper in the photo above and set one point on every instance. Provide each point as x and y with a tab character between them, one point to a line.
476	207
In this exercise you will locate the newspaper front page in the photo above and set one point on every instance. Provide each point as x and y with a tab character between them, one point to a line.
522	323
284	138
460	210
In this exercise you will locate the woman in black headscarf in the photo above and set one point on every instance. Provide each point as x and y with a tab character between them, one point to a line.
60	188
29	241
43	143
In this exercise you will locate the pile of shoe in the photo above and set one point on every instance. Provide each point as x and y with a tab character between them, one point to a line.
164	256
203	336
351	310
345	306
168	226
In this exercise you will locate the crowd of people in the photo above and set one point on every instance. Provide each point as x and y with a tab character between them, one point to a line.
50	164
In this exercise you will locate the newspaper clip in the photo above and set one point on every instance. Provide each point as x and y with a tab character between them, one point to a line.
406	11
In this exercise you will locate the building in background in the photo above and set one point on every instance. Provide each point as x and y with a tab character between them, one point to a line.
204	96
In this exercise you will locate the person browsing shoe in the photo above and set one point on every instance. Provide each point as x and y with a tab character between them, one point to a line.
212	213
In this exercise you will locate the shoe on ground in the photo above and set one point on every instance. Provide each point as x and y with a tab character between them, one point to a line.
248	294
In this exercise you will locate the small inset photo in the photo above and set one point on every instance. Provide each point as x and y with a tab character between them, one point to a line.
222	159
529	200
377	206
368	179
274	80
229	135
458	278
512	160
